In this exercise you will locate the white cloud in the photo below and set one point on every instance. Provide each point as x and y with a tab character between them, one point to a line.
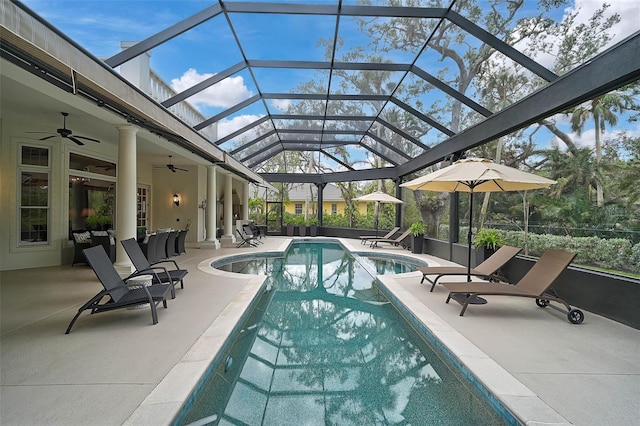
629	11
224	94
281	104
226	127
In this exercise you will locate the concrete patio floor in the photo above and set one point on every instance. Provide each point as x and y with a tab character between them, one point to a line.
103	371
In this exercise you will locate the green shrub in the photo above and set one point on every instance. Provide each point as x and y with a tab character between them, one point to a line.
489	238
417	228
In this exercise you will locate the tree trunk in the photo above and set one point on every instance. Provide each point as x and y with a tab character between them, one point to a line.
487	195
598	148
561	135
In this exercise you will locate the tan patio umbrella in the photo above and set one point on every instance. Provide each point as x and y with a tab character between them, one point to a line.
379	197
477	175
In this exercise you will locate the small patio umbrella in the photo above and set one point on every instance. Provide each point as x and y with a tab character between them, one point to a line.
379	197
477	175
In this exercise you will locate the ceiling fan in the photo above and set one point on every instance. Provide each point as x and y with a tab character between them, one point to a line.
173	168
67	133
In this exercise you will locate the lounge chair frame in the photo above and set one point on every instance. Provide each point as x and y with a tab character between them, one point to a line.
393	241
487	269
366	238
162	274
534	284
120	294
245	239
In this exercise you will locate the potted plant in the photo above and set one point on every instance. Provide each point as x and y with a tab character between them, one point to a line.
486	242
302	227
293	222
99	222
417	230
313	227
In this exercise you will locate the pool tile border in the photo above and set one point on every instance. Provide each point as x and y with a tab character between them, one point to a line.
513	401
177	388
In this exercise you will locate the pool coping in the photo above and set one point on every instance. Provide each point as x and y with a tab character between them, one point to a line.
164	403
486	375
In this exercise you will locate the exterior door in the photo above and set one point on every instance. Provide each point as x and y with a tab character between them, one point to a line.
274	217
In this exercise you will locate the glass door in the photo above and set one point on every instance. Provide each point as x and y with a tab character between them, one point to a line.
274	217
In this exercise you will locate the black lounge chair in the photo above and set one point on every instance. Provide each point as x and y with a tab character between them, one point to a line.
162	274
486	269
366	238
117	290
249	233
534	284
245	239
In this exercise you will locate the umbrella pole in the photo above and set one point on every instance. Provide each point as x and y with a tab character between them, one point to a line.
477	300
376	213
469	235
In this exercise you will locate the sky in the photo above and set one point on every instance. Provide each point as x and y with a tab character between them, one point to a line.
100	26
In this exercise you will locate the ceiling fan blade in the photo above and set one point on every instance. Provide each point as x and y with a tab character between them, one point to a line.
48	137
178	168
73	138
86	138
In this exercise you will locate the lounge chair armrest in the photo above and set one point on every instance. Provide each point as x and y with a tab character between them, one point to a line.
164	261
150	271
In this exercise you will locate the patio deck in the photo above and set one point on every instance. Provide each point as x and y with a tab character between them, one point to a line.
101	372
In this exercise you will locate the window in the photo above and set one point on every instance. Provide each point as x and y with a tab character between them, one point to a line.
92	193
298	208
33	195
141	217
334	208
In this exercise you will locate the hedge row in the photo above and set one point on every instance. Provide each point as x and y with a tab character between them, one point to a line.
612	253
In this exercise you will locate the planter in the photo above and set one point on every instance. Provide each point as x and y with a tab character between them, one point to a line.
303	230
313	230
417	243
290	230
482	254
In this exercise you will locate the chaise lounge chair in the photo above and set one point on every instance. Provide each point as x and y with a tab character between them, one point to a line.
486	269
246	239
366	238
533	284
393	241
162	274
120	293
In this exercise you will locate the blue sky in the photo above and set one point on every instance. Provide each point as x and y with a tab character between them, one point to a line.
100	26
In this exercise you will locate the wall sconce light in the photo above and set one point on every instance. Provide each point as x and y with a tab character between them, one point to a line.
176	199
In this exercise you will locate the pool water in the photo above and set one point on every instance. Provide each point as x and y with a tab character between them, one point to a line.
324	347
378	263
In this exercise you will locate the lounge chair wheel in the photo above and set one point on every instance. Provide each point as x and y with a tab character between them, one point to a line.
575	316
543	303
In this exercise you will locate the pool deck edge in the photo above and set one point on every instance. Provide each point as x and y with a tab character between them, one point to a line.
521	402
166	400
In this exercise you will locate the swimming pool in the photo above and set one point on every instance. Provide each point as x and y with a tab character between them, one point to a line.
377	263
325	347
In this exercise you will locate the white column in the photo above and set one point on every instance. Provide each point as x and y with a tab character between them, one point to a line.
228	239
211	241
245	201
125	194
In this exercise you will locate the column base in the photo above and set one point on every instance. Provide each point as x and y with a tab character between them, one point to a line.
124	268
212	245
228	241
